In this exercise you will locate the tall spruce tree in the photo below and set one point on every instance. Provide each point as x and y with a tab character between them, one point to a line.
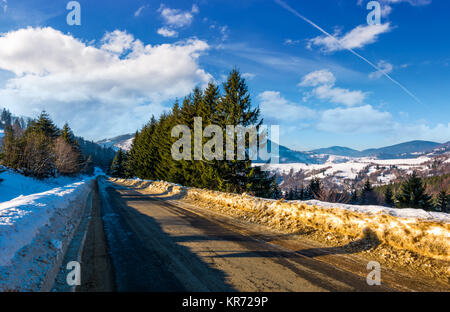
150	155
45	125
368	195
118	166
412	194
389	197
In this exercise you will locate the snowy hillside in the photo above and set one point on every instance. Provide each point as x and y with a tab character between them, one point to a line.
343	171
120	142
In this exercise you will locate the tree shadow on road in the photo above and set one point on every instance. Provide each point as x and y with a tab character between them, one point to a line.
148	259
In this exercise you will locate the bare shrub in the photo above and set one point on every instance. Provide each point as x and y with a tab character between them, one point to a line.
67	159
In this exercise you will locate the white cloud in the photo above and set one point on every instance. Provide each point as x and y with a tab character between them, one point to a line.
166	32
356	38
362	119
319	77
139	11
323	83
100	91
274	106
117	42
385	68
176	18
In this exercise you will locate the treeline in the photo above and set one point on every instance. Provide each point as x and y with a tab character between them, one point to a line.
150	155
429	193
409	194
41	150
98	155
7	120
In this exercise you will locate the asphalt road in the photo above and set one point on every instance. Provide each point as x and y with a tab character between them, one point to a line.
161	245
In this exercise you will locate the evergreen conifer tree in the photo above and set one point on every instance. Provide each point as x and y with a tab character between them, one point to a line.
442	202
389	197
412	194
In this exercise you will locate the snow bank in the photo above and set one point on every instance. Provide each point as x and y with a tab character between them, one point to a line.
35	231
14	184
426	233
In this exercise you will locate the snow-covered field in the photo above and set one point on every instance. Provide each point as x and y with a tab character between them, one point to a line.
36	227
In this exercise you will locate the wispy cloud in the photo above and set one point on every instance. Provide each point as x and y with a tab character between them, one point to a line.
248	76
274	106
356	38
291	42
362	119
140	10
385	68
175	19
288	8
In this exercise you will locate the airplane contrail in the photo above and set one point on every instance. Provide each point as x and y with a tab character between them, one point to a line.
287	7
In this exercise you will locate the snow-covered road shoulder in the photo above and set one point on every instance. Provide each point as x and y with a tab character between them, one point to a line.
35	231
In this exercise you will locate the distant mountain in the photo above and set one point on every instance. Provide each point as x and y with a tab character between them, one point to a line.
120	142
404	150
439	150
288	156
410	149
338	151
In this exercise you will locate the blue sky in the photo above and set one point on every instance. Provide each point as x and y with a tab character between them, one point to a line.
131	59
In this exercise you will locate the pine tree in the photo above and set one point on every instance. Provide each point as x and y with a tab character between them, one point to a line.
442	202
150	156
389	197
45	125
11	149
368	195
6	118
412	194
315	187
67	134
118	166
